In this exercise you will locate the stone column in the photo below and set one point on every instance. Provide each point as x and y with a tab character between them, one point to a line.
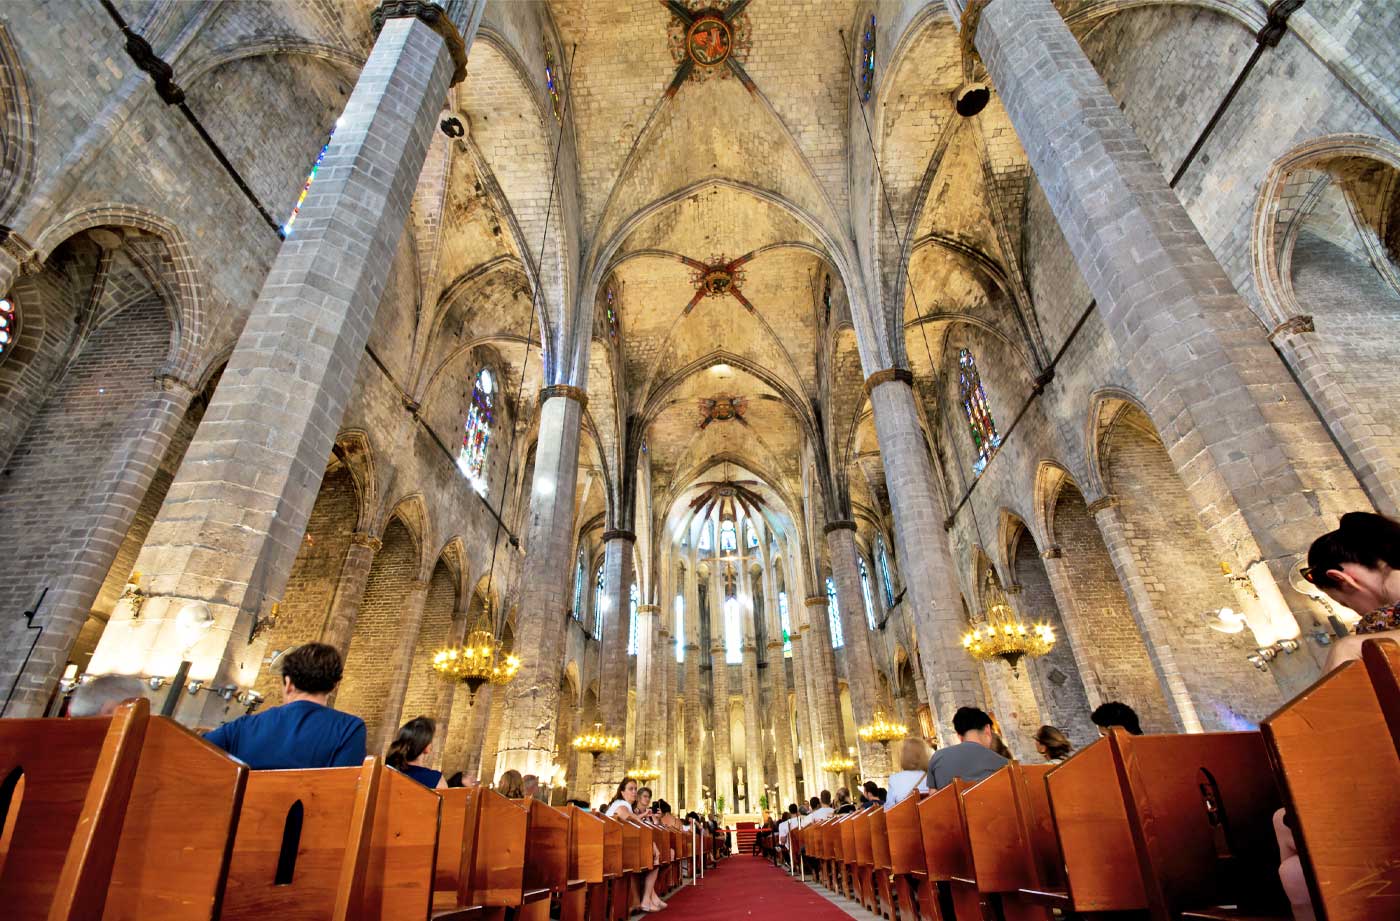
1080	639
922	546
860	658
612	692
724	764
531	700
805	741
650	692
410	622
821	679
235	514
1154	637
350	590
1256	462
754	781
664	728
491	738
782	720
694	697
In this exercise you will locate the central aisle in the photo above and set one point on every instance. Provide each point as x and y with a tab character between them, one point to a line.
744	885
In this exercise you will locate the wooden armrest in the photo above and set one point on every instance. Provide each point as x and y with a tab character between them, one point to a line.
474	913
1054	898
535	895
575	884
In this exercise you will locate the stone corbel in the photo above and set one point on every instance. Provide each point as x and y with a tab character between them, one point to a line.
619	534
365	539
435	18
816	601
19	249
838	526
1292	327
1102	503
1050	553
886	376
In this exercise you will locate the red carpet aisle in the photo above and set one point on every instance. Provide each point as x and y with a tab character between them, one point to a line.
744	886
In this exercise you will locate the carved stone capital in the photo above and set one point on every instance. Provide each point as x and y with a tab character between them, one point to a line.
364	539
567	391
431	15
619	534
815	601
172	381
19	249
648	608
839	526
1050	553
1293	326
1102	503
886	376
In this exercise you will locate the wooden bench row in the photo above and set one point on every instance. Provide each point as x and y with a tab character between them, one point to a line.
135	817
1153	827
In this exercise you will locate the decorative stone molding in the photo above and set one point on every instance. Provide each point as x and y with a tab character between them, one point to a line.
172	382
1050	553
364	539
431	15
567	391
775	644
816	601
1293	326
648	608
19	249
1011	589
619	534
1102	503
839	526
887	376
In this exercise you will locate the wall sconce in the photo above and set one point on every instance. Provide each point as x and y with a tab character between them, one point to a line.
1240	582
250	699
1262	656
133	594
192	621
157	682
1226	620
263	624
70	679
194	686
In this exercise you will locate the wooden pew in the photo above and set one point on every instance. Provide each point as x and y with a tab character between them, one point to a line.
881	870
456	850
1340	778
614	862
1382	660
546	860
586	861
498	870
1092	831
943	828
909	874
398	881
999	842
864	866
847	856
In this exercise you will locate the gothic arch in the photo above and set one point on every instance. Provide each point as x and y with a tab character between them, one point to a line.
17	128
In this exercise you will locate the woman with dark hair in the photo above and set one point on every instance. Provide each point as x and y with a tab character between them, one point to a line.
621	809
410	747
1052	744
1358	566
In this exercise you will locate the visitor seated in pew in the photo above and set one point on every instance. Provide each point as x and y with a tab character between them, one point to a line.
869	794
410	747
511	785
999	745
913	757
972	759
621	808
530	784
1358	566
844	806
1116	713
664	815
303	732
642	807
821	807
788	823
457	780
102	695
1053	745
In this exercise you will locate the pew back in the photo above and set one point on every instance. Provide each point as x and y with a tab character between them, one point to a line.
941	826
612	847
1091	824
498	870
996	841
456	851
399	872
586	844
879	838
1382	659
906	846
546	848
1047	864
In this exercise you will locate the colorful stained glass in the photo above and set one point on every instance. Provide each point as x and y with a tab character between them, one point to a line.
979	415
551	82
707	536
786	622
476	437
310	178
610	298
867	62
9	325
580	581
750	535
833	610
882	557
865	594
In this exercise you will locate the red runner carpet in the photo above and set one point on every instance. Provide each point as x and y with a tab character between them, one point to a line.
743	886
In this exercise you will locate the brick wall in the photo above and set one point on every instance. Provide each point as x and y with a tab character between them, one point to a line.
425	696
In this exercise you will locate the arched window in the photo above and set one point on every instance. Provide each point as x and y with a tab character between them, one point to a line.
598	602
786	623
633	596
9	325
826	300
610	304
707	536
286	230
680	627
867	61
551	81
865	593
833	611
580	581
733	633
728	539
476	437
882	558
979	415
750	535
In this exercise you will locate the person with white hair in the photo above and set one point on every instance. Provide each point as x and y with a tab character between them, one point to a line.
103	694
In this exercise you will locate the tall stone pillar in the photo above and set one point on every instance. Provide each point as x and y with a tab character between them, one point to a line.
821	679
531	700
1256	462
778	689
694	697
650	692
235	514
922	545
410	622
806	741
612	692
860	658
754	742
1154	637
491	739
350	591
724	763
1080	638
663	730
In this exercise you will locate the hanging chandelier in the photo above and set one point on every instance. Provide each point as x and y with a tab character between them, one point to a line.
643	773
836	764
882	729
597	742
480	658
1002	635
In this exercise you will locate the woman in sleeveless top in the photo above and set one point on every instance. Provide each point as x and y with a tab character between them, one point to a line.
621	808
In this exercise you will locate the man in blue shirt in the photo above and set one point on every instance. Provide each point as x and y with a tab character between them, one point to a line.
303	732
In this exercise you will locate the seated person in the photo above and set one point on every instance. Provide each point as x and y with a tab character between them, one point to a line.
531	785
788	823
868	794
912	774
102	695
972	759
1054	746
1358	566
410	747
1116	713
511	785
844	806
821	808
303	732
457	780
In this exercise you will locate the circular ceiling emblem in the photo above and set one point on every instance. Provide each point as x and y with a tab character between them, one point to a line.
717	282
709	41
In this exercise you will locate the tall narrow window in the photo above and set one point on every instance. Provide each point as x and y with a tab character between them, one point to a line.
707	536
733	633
598	598
632	620
551	81
826	301
882	557
680	627
833	611
580	581
785	623
9	326
728	540
979	415
750	535
865	593
476	437
610	303
310	178
867	61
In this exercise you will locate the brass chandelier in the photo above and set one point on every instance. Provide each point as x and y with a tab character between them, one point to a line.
838	764
597	742
644	772
1002	635
882	729
482	657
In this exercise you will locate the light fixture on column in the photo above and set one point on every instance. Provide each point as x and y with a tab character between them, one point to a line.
1002	635
882	729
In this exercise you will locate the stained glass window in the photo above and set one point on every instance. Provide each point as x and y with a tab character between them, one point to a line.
632	620
733	633
476	437
551	81
867	61
786	623
680	627
750	535
598	597
9	325
707	538
310	178
833	610
865	594
580	580
610	302
728	540
882	557
826	298
979	415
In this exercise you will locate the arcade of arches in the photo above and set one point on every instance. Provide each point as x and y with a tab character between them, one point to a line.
728	374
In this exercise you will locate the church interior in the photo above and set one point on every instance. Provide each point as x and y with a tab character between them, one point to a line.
711	393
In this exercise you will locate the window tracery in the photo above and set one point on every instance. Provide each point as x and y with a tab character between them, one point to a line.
882	557
979	415
610	305
580	580
785	622
633	597
598	603
680	627
733	633
728	539
551	82
476	436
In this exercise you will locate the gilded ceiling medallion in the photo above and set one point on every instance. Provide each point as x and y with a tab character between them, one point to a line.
709	40
717	282
708	37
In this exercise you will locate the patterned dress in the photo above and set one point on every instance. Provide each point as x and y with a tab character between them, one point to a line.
1380	621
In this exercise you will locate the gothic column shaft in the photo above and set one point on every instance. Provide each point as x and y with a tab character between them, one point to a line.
724	764
527	736
350	590
410	623
694	697
805	741
922	545
612	695
821	680
649	690
860	658
753	730
1080	638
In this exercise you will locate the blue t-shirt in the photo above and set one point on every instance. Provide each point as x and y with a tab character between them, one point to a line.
301	734
426	776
